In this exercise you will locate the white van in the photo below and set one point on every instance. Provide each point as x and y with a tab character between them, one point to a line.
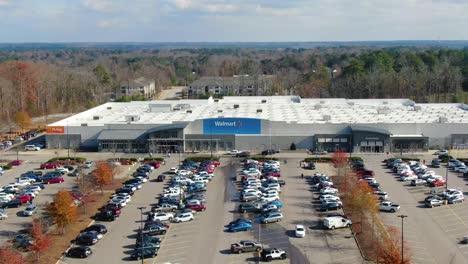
32	147
336	222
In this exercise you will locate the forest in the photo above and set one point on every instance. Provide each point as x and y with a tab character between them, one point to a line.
41	82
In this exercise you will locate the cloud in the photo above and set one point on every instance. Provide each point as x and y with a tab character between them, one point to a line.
108	23
270	11
100	5
5	3
182	4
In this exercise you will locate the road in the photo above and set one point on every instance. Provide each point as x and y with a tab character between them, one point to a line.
171	93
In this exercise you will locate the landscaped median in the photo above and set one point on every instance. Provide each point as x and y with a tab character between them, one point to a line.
361	205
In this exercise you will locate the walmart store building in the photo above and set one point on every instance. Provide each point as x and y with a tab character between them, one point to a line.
259	123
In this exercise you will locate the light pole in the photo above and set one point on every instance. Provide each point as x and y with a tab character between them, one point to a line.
141	231
68	143
402	217
447	170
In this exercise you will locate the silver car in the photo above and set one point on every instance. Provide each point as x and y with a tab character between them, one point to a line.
30	210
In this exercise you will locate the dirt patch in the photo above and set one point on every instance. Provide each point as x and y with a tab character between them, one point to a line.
61	242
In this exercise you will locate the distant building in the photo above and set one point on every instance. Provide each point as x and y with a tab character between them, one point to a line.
245	85
140	86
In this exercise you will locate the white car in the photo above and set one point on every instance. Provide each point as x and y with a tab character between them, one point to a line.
300	231
3	216
441	152
255	191
8	195
30	210
141	178
163	216
185	217
32	147
88	164
131	186
5	199
450	194
329	197
119	200
25	179
184	173
328	190
173	170
124	196
409	177
234	152
460	168
269	198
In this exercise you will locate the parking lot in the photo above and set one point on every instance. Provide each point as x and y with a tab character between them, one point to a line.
432	234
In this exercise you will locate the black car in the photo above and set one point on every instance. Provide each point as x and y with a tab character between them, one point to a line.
144	253
134	181
269	152
147	245
87	239
147	239
329	207
243	154
248	208
106	215
22	241
79	252
12	204
435	163
153	230
168	200
161	178
125	190
101	229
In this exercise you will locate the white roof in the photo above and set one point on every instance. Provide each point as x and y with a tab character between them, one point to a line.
276	108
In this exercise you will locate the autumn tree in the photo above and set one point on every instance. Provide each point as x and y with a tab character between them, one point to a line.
40	240
22	119
10	256
63	209
25	80
103	174
389	248
86	188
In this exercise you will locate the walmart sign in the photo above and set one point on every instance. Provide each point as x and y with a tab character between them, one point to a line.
232	126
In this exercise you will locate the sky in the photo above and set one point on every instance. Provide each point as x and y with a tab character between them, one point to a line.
231	21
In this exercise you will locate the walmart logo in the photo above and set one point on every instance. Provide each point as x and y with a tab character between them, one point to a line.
228	124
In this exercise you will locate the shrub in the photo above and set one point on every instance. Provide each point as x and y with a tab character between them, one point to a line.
292	147
202	158
7	167
152	159
354	159
262	158
77	159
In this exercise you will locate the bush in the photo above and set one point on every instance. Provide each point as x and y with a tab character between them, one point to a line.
292	147
202	158
354	159
319	159
261	158
408	159
151	159
7	167
77	159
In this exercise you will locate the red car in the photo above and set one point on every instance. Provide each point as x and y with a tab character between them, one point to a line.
15	163
53	180
215	163
197	207
24	198
126	162
437	183
155	164
365	173
273	174
49	166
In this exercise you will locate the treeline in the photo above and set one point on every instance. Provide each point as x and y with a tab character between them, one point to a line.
44	82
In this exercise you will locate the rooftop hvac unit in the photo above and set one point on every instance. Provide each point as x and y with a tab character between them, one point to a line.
236	106
443	119
322	102
383	111
189	111
216	100
96	118
220	110
84	124
109	107
351	103
264	101
316	107
259	110
417	108
326	117
132	118
385	102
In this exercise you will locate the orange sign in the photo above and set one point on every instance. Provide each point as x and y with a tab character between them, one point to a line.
55	130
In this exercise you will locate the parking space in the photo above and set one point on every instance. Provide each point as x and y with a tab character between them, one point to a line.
446	224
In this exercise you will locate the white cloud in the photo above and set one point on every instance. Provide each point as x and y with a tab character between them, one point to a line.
182	4
270	11
107	23
100	5
5	3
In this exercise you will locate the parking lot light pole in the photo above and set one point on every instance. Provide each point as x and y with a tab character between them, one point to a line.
141	231
402	218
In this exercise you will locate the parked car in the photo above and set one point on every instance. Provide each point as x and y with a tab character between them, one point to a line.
183	217
153	230
79	252
30	210
106	215
32	147
101	229
436	183
388	206
51	180
243	154
242	226
336	222
329	206
248	208
271	217
49	165
273	253
239	220
197	207
144	253
433	202
418	182
246	246
87	239
456	199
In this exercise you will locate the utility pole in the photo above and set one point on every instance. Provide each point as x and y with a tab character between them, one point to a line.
68	143
141	232
447	170
402	232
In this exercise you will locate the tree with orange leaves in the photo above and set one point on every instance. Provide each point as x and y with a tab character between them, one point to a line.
10	256
24	77
22	119
339	159
103	174
389	248
40	240
63	209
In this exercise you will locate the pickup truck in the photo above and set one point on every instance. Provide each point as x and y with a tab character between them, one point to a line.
246	246
388	206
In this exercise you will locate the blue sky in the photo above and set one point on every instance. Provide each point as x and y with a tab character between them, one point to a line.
225	20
